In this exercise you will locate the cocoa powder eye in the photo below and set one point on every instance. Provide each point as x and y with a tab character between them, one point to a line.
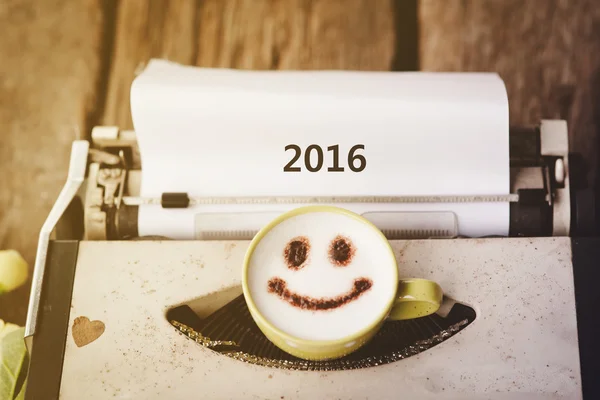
296	252
341	251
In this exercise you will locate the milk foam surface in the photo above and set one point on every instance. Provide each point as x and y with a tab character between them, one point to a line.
320	278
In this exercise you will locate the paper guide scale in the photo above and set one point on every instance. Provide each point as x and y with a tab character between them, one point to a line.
160	217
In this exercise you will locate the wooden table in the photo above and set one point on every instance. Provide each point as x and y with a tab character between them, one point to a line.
66	66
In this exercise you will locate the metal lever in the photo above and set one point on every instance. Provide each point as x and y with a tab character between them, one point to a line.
77	168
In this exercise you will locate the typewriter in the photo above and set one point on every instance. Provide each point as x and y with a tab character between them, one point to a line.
142	250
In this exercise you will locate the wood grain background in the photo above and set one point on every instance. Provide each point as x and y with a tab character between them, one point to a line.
66	66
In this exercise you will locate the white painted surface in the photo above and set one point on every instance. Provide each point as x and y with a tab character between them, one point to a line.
523	344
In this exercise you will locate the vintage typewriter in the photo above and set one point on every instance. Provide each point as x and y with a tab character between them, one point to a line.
136	289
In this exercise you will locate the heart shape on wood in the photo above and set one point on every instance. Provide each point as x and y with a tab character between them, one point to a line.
86	331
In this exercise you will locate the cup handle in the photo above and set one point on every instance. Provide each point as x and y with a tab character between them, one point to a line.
416	298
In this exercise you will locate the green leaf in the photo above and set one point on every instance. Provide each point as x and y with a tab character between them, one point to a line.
12	358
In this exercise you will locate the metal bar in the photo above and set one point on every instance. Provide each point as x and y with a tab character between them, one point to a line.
509	198
46	364
77	168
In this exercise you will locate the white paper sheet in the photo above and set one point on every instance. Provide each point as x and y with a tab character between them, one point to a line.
220	132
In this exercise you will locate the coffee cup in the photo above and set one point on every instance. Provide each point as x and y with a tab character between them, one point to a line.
320	281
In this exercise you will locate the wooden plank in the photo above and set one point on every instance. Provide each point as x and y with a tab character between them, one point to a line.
441	35
147	29
245	34
49	74
545	50
354	34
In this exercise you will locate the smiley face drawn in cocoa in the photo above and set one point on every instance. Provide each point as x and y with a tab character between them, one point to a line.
296	256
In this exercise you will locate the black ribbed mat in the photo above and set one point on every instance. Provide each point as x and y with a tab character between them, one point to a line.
231	331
